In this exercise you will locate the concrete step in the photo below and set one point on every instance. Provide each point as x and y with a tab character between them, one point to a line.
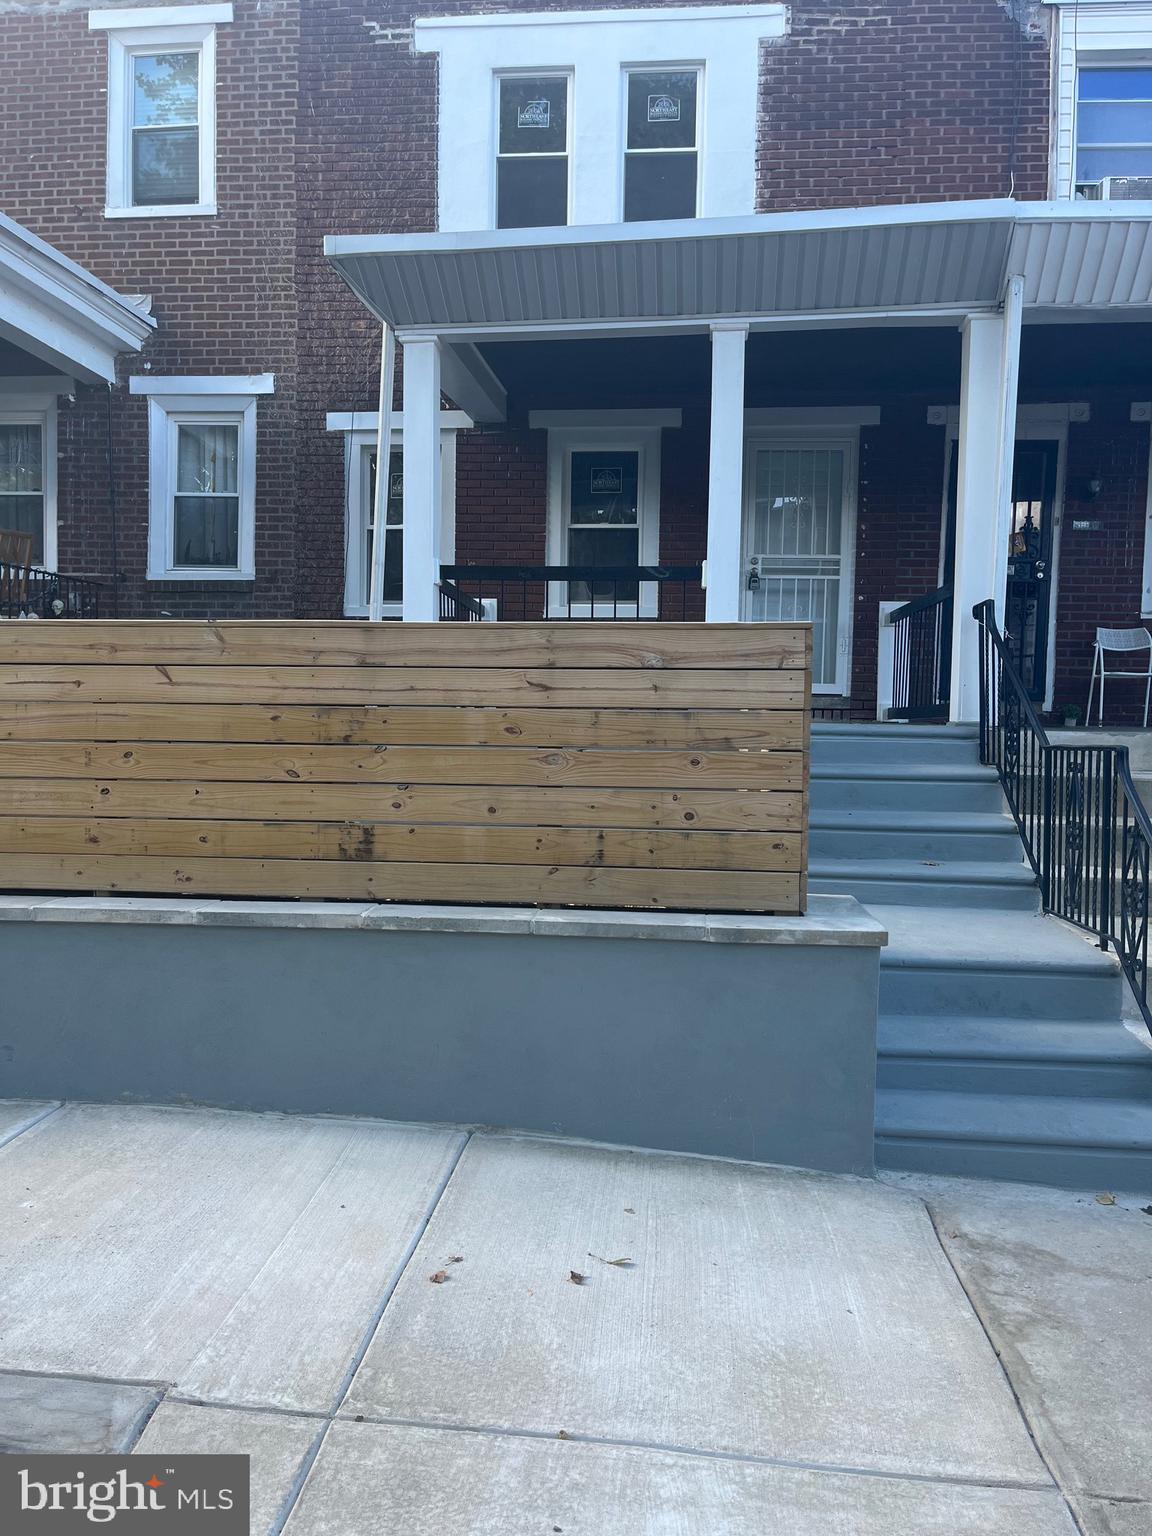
965	963
1017	1056
935	746
904	787
927	882
987	837
1084	1143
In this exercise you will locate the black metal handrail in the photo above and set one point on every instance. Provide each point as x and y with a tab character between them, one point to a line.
580	591
457	605
922	657
34	594
1085	830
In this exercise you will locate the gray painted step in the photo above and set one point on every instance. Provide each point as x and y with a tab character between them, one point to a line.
920	882
893	744
988	837
907	787
1075	1142
1036	1056
994	964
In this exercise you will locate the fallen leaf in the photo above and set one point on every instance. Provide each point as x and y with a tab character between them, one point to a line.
616	1263
628	1211
455	1258
439	1277
1147	1209
562	1434
576	1277
1105	1199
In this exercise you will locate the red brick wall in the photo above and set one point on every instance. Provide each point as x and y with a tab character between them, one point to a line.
1100	571
223	289
871	101
897	531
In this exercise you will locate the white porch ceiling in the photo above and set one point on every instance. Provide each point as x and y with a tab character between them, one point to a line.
917	260
54	309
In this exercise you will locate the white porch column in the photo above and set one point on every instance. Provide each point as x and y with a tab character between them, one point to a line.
987	440
423	520
726	475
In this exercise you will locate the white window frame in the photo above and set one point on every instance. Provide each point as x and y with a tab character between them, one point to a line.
206	401
39	411
818	433
686	66
183	29
1089	34
636	432
544	74
594	47
360	441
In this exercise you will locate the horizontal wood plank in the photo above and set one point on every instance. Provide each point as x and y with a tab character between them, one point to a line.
710	810
274	643
591	688
411	725
690	890
412	765
366	841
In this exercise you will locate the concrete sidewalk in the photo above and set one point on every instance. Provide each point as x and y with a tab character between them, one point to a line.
416	1330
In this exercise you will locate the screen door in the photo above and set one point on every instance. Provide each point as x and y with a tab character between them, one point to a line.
794	547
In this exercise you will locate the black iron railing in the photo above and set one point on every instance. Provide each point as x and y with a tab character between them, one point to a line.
1084	827
455	604
510	592
28	594
922	657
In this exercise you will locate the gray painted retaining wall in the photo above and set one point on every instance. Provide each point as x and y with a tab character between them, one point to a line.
742	1037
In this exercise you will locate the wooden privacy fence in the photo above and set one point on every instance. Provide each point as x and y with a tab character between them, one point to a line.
641	765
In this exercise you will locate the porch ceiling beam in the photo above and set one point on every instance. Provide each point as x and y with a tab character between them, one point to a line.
469	382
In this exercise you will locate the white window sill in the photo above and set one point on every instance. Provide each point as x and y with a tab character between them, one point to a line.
209	573
164	211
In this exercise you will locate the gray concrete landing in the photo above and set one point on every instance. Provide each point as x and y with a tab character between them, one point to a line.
420	1330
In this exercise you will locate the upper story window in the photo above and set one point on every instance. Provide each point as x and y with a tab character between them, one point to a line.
600	116
1114	131
531	150
1102	85
161	108
660	158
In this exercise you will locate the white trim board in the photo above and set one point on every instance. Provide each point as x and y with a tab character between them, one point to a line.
593	48
595	420
365	421
158	16
202	384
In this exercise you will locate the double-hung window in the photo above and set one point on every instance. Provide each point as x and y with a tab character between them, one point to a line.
27	477
1114	130
532	150
202	476
661	158
161	109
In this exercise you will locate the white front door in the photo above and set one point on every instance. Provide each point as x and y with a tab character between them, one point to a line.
798	530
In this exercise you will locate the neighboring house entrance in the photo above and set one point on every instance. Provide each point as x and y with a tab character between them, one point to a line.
1027	602
798	528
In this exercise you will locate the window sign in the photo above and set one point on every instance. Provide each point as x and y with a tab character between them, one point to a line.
534	114
660	157
607	479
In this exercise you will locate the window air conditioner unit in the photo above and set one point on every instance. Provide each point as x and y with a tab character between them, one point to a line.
1116	188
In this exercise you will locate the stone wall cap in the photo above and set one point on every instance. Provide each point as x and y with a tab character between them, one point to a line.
830	920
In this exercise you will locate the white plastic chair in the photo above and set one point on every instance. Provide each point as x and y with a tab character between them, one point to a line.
1124	641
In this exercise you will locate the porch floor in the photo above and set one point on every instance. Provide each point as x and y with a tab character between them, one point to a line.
427	1329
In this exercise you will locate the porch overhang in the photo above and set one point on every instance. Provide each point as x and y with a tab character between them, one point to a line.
862	264
54	309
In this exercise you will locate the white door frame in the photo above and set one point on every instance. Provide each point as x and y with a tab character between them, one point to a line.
846	438
563	442
1034	423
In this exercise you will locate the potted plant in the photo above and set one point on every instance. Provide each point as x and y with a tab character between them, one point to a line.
1071	714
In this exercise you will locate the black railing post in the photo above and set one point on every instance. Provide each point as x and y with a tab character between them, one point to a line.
1107	915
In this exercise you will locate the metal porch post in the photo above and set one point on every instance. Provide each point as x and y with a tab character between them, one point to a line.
726	475
422	498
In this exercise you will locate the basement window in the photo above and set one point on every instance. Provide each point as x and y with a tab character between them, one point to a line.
161	109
